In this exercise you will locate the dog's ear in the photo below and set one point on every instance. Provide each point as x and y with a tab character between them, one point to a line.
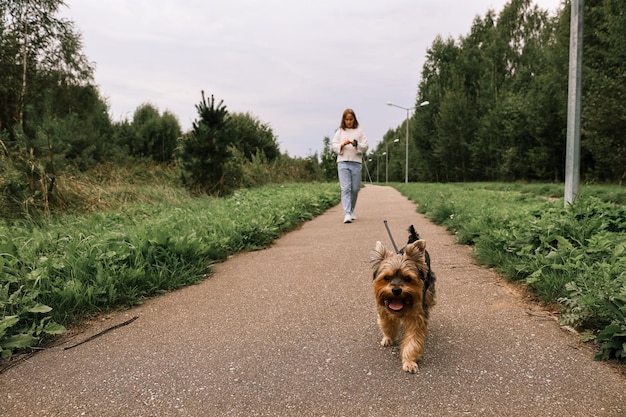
378	254
416	250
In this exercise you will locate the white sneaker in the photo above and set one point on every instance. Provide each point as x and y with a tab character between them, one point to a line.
347	218
352	216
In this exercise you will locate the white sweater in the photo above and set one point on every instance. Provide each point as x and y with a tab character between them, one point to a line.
349	152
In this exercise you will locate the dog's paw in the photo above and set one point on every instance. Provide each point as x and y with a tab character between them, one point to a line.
386	341
410	367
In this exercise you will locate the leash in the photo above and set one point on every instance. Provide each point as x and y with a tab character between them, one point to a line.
391	237
368	171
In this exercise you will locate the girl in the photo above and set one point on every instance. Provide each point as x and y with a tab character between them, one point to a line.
349	143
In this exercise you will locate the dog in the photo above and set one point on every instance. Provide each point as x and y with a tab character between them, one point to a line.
404	287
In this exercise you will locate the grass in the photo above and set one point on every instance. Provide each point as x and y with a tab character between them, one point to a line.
139	240
56	272
575	256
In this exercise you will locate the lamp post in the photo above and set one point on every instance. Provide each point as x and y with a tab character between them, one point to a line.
387	160
368	173
408	109
396	141
386	165
377	167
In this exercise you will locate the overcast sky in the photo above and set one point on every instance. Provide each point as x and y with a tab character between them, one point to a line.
293	65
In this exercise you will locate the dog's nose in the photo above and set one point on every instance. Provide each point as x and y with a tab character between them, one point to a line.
396	291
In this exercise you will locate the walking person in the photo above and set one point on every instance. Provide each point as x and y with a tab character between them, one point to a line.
350	144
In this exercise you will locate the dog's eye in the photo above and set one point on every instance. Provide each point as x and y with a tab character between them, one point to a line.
387	279
407	279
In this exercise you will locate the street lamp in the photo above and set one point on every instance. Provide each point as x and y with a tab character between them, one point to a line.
396	141
377	167
387	160
386	165
408	109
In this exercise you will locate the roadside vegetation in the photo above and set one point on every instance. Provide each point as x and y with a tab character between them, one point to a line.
97	213
573	257
498	100
54	273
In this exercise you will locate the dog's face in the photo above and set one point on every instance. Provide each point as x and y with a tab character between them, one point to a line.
399	278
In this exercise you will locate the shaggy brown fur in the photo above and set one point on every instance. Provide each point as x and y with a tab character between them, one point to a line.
404	287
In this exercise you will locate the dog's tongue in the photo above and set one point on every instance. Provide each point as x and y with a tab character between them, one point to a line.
396	305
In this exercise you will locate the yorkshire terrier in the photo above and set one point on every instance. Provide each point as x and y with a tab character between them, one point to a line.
404	287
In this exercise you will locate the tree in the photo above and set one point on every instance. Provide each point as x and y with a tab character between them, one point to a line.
456	131
328	162
50	112
82	135
41	54
205	151
252	137
604	88
153	135
166	139
438	82
493	109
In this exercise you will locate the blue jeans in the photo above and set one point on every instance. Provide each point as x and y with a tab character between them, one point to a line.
350	182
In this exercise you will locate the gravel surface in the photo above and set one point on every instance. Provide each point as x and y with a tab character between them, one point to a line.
291	331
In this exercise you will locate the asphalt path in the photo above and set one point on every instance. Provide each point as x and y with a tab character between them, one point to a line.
291	331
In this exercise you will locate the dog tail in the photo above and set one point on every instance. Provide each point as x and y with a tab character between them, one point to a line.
413	235
429	280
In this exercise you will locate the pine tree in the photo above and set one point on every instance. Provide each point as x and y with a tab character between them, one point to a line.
205	151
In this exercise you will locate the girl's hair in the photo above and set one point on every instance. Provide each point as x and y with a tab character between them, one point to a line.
343	119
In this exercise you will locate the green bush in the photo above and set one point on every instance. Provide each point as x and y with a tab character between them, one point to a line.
53	274
575	256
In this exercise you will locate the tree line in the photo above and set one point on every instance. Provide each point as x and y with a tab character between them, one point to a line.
54	122
498	103
498	100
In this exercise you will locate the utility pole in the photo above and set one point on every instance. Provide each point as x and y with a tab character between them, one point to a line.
572	159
